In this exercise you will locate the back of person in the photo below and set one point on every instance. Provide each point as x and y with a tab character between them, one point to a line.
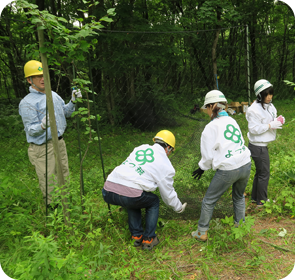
223	145
143	168
223	149
131	185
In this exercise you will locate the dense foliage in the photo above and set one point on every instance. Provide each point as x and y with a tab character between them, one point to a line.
149	52
97	246
143	64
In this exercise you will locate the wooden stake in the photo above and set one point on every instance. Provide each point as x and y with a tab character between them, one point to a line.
54	134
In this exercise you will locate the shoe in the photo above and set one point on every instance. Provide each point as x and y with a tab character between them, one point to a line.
137	240
259	205
200	235
149	243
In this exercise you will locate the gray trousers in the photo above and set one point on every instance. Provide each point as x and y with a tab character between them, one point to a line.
261	159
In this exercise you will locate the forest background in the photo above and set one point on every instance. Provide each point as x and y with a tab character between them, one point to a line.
143	66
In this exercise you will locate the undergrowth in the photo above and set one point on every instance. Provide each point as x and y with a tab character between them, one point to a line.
97	245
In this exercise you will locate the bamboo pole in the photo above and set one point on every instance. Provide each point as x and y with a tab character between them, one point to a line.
54	134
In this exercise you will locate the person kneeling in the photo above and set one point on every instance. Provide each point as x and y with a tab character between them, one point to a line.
131	184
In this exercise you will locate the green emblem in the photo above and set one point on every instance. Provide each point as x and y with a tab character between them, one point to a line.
40	69
233	134
144	156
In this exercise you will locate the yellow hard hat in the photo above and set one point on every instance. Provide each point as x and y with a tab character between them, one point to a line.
33	68
167	137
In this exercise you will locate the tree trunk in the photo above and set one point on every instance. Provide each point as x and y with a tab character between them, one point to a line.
214	58
132	84
108	100
282	69
253	48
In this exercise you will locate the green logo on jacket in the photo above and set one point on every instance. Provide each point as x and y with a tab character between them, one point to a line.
144	156
233	134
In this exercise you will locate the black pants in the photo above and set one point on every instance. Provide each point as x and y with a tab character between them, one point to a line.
261	178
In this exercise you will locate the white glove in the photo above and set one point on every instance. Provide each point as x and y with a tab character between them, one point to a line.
281	119
275	124
43	122
182	208
76	93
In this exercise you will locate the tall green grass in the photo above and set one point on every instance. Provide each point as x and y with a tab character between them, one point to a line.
98	244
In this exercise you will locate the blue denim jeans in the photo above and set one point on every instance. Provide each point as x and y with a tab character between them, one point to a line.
222	180
133	205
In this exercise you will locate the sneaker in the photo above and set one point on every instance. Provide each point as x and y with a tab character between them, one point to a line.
259	205
149	243
137	240
200	235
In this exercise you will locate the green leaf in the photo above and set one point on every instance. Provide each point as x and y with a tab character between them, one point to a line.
84	46
62	19
36	20
111	12
106	19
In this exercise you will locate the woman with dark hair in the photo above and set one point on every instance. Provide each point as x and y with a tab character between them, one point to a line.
223	150
262	124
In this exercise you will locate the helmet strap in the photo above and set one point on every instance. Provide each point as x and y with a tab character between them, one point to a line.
162	143
258	97
35	85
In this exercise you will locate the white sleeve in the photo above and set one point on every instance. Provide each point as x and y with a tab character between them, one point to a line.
207	144
168	193
255	125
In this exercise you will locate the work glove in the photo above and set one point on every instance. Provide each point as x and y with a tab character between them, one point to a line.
275	124
182	208
76	93
281	119
43	122
198	173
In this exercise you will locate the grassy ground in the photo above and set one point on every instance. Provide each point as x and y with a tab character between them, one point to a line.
98	245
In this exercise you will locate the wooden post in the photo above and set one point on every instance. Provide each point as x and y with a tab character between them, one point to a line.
54	134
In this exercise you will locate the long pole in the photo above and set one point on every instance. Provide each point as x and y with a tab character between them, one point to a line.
46	164
54	134
97	127
79	143
248	65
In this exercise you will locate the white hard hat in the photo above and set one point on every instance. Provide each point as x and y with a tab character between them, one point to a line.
261	85
214	96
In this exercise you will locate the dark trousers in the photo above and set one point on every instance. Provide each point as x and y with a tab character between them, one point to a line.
260	183
133	205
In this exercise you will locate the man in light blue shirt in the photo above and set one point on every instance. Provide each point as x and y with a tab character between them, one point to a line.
32	109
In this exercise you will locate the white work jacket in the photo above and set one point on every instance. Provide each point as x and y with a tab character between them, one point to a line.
147	168
222	145
258	123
